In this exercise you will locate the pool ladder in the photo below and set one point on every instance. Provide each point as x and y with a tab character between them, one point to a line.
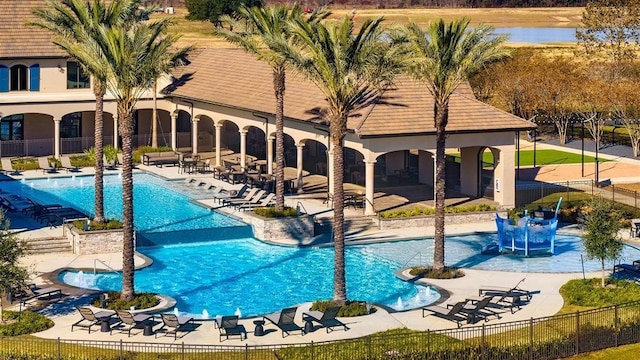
103	263
411	258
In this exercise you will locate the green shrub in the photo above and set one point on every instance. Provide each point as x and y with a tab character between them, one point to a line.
425	211
270	212
589	292
23	323
82	161
137	153
350	309
140	301
109	225
25	163
429	273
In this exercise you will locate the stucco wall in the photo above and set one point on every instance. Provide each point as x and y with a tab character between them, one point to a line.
298	228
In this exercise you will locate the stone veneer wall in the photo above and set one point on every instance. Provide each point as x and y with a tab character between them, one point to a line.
423	221
94	242
270	229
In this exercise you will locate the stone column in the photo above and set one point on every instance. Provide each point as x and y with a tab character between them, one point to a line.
218	140
369	187
270	154
174	131
243	148
194	135
56	138
300	183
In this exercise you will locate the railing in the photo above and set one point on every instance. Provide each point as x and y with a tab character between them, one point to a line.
300	205
103	263
411	258
550	337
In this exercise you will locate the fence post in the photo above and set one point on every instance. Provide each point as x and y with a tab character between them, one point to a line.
121	354
182	351
246	351
592	187
613	192
577	332
531	338
312	350
567	201
616	323
483	354
428	343
59	348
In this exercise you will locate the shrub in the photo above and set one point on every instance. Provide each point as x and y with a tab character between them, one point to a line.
25	163
350	309
270	212
82	161
23	323
429	273
139	152
589	292
109	225
140	301
424	211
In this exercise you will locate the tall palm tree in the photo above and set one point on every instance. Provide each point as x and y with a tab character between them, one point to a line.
351	68
256	30
131	56
442	58
71	21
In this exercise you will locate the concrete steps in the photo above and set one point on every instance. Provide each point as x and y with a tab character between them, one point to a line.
49	245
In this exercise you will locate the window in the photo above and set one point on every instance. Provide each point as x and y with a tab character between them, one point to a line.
70	126
76	78
18	78
11	127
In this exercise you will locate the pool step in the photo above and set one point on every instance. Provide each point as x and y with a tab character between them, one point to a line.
49	245
351	224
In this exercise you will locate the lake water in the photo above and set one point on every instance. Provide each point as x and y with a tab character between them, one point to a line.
538	35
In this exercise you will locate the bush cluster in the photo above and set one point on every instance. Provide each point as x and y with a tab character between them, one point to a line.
140	301
109	225
589	292
270	212
139	152
26	322
424	211
350	309
429	273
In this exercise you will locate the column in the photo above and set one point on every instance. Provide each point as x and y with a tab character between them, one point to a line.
174	131
330	171
504	176
218	140
369	185
115	131
56	138
299	184
194	135
470	166
270	154
243	148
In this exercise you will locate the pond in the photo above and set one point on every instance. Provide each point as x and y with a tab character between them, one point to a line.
538	35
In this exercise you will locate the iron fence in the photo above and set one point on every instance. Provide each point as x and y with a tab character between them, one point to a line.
550	337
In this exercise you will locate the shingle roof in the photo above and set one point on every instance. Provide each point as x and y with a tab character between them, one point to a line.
233	78
18	40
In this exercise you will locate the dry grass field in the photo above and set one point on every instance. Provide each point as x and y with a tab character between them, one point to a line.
200	33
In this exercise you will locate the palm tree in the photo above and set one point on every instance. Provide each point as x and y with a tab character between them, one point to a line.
71	21
351	69
256	30
442	59
131	56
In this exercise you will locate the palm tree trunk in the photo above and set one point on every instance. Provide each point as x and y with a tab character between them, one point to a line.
441	118
154	115
98	211
339	275
279	87
126	131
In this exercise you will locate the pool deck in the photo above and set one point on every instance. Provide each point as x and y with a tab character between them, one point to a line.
546	301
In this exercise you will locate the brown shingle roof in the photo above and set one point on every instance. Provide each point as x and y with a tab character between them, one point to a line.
18	40
233	78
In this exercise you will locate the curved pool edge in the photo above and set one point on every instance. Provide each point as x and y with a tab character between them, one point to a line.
403	274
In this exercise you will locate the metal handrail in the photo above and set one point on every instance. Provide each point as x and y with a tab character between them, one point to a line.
300	205
103	263
411	258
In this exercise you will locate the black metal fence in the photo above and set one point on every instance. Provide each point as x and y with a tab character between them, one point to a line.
574	191
551	337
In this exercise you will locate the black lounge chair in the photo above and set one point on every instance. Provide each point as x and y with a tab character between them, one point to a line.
89	318
31	291
479	309
452	314
515	295
229	326
174	324
284	321
131	321
327	319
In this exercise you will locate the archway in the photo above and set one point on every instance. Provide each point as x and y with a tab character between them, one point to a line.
486	165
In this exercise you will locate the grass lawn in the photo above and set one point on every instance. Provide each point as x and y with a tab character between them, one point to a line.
543	157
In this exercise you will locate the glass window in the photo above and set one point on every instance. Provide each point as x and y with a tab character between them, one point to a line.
70	126
76	78
11	127
18	78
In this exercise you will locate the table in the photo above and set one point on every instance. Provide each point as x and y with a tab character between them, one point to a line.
105	320
259	330
308	324
147	329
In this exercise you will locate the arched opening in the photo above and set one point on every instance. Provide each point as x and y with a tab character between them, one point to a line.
230	136
18	78
486	165
354	171
256	143
314	154
144	127
183	129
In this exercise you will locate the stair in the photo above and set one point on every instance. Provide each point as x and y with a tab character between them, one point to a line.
352	225
49	245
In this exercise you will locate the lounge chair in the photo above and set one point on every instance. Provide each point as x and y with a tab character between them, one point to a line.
327	319
264	202
514	294
255	199
452	314
174	324
89	318
284	321
231	195
46	166
247	196
229	326
65	161
8	167
31	291
132	321
479	309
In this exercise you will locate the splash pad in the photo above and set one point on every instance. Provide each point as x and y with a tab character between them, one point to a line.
527	236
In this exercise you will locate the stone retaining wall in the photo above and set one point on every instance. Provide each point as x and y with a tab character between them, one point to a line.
94	242
271	229
429	220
